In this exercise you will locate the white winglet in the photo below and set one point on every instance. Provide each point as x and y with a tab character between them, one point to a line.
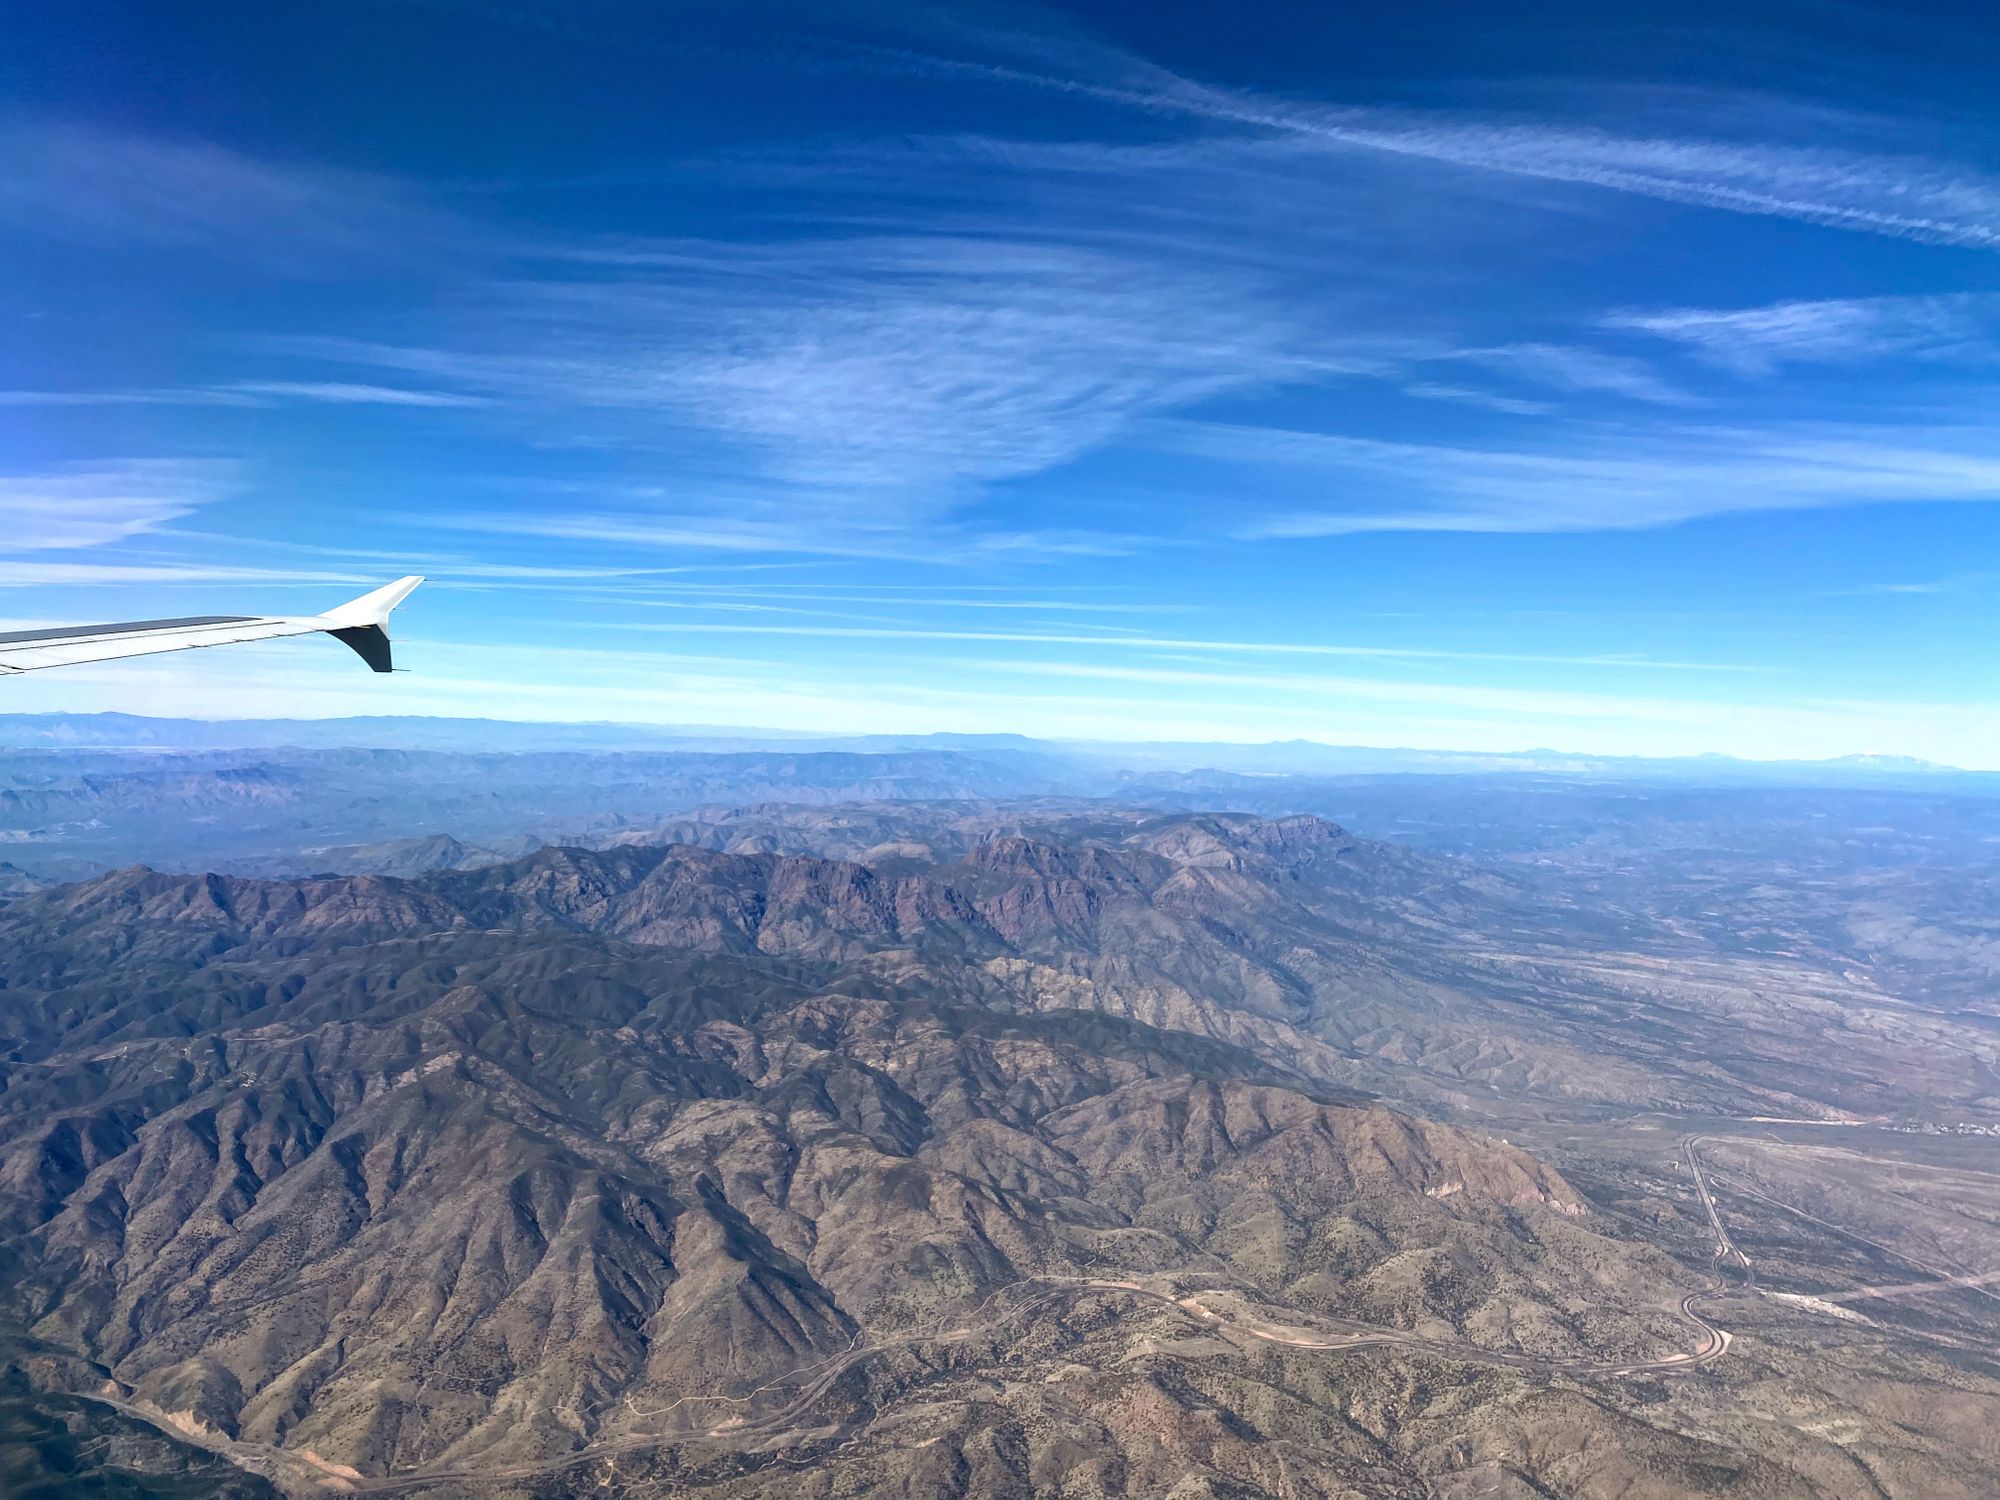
373	608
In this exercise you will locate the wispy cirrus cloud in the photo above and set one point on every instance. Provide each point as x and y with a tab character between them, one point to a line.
771	594
839	525
124	398
1788	164
90	505
1159	643
1904	197
1804	164
1977	581
19	573
1759	340
248	393
1046	306
1781	173
677	526
74	184
1565	367
1517	406
909	362
349	393
1619	481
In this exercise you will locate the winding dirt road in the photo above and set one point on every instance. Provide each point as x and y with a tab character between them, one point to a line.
814	1381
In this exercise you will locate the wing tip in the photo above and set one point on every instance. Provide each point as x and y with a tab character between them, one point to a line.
362	624
373	607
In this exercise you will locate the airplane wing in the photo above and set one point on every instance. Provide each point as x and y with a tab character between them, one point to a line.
360	623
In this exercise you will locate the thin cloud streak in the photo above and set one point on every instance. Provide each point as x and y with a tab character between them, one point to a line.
18	574
1875	192
1617	483
689	532
126	398
1566	368
90	505
1174	643
1957	583
74	185
892	538
1760	340
254	394
1516	406
1897	196
348	393
907	601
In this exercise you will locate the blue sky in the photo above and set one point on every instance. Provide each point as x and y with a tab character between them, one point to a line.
1614	378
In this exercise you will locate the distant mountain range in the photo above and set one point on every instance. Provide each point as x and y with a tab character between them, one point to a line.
111	731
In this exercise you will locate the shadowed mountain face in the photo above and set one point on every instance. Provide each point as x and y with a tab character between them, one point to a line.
989	1152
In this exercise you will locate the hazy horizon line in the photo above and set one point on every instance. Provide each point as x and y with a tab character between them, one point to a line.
1857	758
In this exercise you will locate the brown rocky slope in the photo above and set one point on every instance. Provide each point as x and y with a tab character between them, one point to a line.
703	1165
